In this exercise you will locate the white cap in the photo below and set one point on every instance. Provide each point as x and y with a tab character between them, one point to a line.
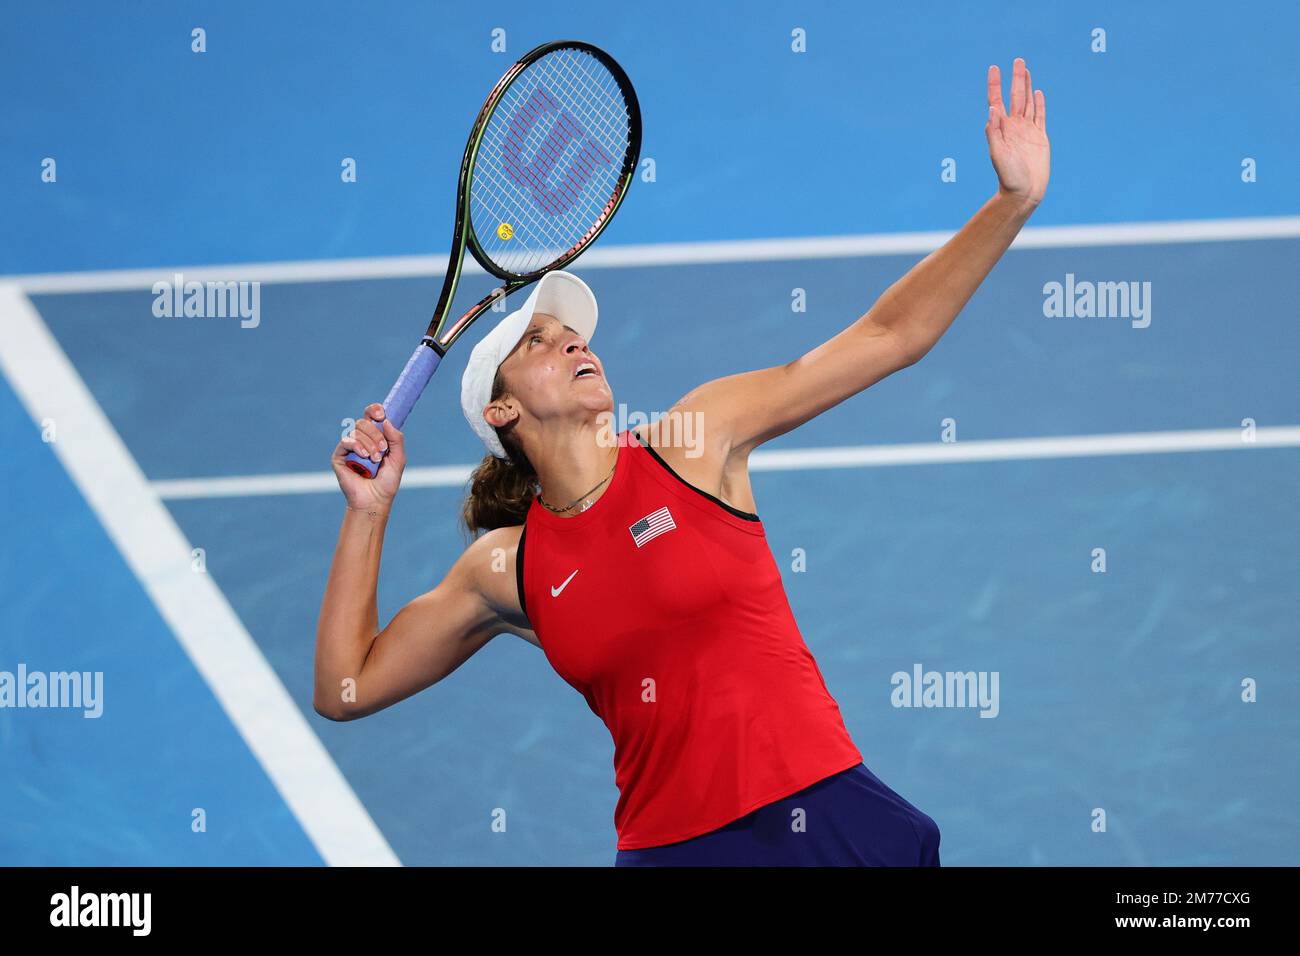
560	294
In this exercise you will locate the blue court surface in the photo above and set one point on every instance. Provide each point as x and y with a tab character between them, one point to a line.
170	518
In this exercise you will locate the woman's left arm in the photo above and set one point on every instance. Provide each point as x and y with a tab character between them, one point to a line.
743	411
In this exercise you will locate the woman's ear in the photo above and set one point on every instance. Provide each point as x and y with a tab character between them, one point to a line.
499	414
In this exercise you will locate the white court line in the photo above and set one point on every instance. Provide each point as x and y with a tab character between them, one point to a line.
800	459
204	623
676	253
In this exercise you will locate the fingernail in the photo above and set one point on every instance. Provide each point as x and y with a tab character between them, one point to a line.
376	456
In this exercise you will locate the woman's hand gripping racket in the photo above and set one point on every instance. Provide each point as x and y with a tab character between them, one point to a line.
548	162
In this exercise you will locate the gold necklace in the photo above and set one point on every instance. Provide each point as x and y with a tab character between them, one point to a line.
585	505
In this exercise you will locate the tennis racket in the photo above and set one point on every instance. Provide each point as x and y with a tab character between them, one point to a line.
549	159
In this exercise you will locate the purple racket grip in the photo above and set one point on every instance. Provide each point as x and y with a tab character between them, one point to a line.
401	399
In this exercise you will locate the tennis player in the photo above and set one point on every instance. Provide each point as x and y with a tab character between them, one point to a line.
637	562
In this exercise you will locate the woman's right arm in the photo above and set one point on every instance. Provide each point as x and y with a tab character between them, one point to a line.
360	669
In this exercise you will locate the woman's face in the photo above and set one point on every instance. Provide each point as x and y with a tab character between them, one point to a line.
551	374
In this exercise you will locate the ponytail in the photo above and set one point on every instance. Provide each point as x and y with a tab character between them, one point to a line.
501	490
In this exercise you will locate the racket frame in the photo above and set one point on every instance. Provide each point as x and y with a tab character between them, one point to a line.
419	369
464	236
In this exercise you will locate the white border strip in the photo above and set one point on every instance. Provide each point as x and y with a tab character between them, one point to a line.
1022	449
800	459
675	254
194	608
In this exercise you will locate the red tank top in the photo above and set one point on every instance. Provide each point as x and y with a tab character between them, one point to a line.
665	609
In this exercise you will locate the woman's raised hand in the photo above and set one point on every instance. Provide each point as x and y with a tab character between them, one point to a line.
1018	137
372	434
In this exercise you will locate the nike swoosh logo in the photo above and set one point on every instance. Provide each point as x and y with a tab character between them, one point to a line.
555	592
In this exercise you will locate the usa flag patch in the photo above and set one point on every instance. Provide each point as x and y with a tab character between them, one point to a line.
652	526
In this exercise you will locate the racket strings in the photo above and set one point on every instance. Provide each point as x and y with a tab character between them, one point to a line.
600	104
593	95
550	162
538	212
537	179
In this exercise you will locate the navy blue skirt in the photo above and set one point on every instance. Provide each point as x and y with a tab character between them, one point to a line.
848	819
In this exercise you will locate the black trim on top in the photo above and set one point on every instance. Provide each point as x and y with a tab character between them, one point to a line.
747	515
519	568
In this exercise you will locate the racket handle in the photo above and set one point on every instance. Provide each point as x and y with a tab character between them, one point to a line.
401	399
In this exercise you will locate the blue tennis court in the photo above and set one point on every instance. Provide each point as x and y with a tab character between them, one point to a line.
171	517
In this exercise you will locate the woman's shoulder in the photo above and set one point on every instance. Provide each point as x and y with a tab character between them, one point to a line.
491	567
489	558
498	538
